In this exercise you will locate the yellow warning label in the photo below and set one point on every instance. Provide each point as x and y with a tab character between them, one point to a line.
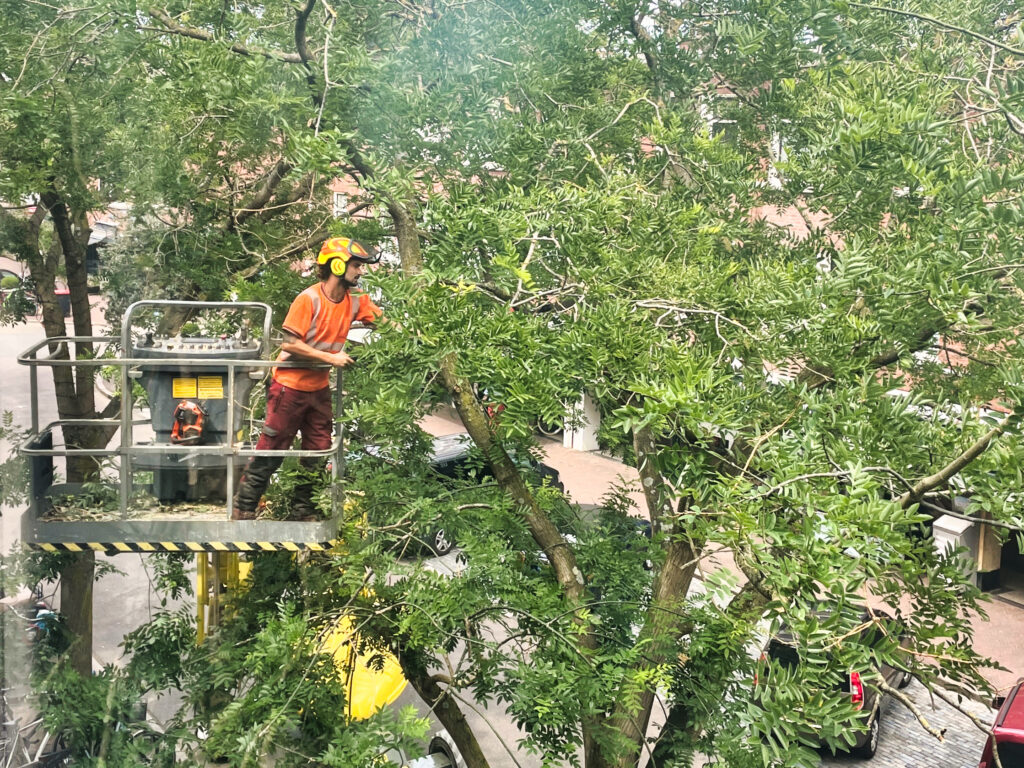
211	388
183	388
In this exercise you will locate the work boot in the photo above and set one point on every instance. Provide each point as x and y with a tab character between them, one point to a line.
254	482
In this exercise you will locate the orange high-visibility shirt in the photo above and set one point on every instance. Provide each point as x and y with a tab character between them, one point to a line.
323	324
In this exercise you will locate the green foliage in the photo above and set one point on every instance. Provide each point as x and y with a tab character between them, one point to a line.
584	229
14	479
16	304
103	724
158	647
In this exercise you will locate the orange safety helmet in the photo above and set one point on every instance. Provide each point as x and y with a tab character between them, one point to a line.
338	251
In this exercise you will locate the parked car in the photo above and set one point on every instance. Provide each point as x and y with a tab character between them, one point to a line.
455	457
783	648
1007	737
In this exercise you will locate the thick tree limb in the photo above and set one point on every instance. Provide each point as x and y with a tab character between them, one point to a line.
170	26
815	375
943	476
544	532
448	712
260	197
301	21
656	492
306	56
299	193
647	49
663	623
74	400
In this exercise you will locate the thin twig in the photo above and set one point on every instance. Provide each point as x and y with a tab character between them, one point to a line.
942	24
903	699
174	28
664	305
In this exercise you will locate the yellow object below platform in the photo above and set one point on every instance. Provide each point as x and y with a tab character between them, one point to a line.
369	689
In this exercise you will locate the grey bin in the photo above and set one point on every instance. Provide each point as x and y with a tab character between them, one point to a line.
181	476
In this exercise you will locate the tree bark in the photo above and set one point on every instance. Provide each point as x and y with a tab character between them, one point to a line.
664	622
75	391
450	715
76	582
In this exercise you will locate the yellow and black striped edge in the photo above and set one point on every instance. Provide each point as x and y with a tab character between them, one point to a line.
112	548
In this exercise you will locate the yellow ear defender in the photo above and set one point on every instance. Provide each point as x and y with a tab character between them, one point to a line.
338	266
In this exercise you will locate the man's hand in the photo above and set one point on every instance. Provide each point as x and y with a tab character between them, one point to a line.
340	360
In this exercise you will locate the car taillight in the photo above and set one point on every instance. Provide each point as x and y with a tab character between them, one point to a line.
762	659
856	690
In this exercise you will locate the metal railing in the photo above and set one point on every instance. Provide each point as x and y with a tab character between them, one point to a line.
63	353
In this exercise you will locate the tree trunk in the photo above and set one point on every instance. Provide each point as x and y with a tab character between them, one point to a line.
663	623
76	606
450	715
75	400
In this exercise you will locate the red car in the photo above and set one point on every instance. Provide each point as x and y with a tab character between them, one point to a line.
1007	731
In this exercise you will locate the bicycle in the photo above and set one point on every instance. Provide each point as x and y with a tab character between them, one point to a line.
32	746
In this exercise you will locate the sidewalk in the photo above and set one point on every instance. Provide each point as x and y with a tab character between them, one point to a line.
589	476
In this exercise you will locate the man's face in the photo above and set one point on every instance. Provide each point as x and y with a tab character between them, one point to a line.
354	270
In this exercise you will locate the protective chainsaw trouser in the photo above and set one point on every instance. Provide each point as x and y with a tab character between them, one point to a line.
289	411
303	507
254	482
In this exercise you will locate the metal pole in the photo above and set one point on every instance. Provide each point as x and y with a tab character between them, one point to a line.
126	438
33	384
232	436
214	591
200	597
337	466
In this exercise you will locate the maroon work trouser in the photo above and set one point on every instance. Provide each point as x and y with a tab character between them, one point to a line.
289	411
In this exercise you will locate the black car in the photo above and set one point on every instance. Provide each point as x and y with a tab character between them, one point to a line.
455	457
874	628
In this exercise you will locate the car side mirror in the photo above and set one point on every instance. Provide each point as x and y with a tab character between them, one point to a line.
998	701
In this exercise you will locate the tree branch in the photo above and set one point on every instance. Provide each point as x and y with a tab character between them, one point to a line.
969	518
905	700
942	24
300	192
947	472
305	55
663	623
814	375
260	197
443	705
174	28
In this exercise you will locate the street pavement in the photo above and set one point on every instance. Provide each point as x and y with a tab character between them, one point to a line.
903	743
